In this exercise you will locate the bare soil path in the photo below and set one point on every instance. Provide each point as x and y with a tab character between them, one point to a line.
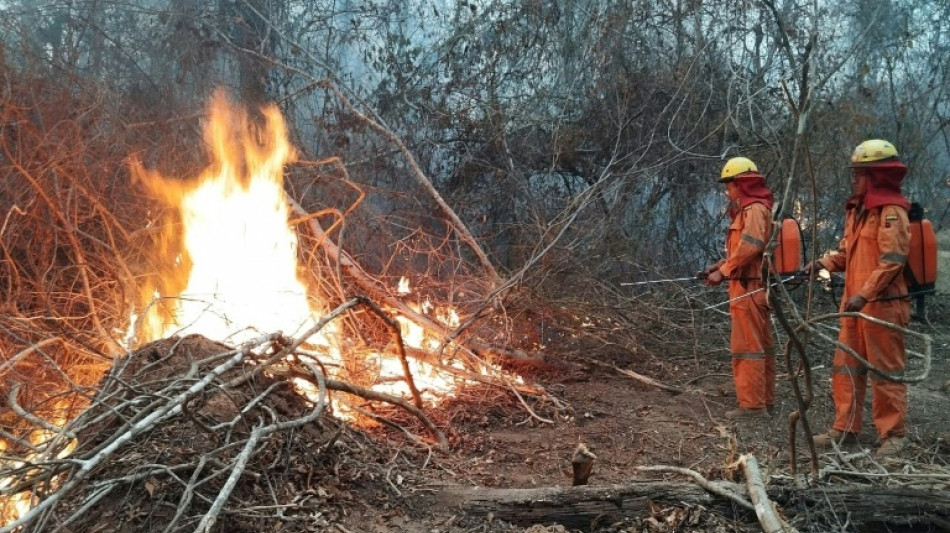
628	424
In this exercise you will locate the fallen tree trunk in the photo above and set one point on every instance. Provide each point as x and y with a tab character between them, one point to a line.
867	508
575	506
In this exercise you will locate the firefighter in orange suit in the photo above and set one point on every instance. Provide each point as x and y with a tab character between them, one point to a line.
752	344
873	253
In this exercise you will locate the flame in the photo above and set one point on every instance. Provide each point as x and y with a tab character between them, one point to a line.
16	505
42	440
415	335
232	272
227	258
226	267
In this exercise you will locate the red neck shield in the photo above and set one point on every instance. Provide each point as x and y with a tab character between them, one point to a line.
752	190
884	186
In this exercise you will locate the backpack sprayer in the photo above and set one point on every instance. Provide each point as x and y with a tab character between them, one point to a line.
920	271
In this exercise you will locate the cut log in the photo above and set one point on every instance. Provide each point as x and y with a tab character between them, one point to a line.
868	508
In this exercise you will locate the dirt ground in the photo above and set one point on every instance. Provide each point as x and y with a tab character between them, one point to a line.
329	476
627	424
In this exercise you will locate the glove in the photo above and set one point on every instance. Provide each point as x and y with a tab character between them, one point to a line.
854	304
814	266
714	278
704	273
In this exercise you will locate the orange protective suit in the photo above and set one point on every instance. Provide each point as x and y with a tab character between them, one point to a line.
873	253
752	344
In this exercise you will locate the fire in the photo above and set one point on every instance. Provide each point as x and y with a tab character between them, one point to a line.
229	265
15	505
42	441
227	268
403	287
415	335
233	267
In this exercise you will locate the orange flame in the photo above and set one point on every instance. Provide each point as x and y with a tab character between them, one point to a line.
230	257
13	506
227	257
227	265
403	286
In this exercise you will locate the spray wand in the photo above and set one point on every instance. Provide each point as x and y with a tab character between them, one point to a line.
652	281
698	277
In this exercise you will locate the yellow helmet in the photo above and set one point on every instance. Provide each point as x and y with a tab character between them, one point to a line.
873	151
736	166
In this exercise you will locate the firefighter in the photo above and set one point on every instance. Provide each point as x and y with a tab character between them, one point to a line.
751	344
873	253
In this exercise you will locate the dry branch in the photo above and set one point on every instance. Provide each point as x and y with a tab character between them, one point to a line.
642	379
69	232
378	293
764	508
394	330
716	488
208	520
167	410
367	394
423	181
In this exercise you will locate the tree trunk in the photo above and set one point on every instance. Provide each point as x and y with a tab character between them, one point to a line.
576	506
869	509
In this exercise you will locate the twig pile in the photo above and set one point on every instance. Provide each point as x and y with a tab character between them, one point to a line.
187	431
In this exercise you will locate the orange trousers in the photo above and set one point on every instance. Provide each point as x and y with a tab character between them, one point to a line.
883	348
753	350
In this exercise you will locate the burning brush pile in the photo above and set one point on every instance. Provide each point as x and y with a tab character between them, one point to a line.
230	368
